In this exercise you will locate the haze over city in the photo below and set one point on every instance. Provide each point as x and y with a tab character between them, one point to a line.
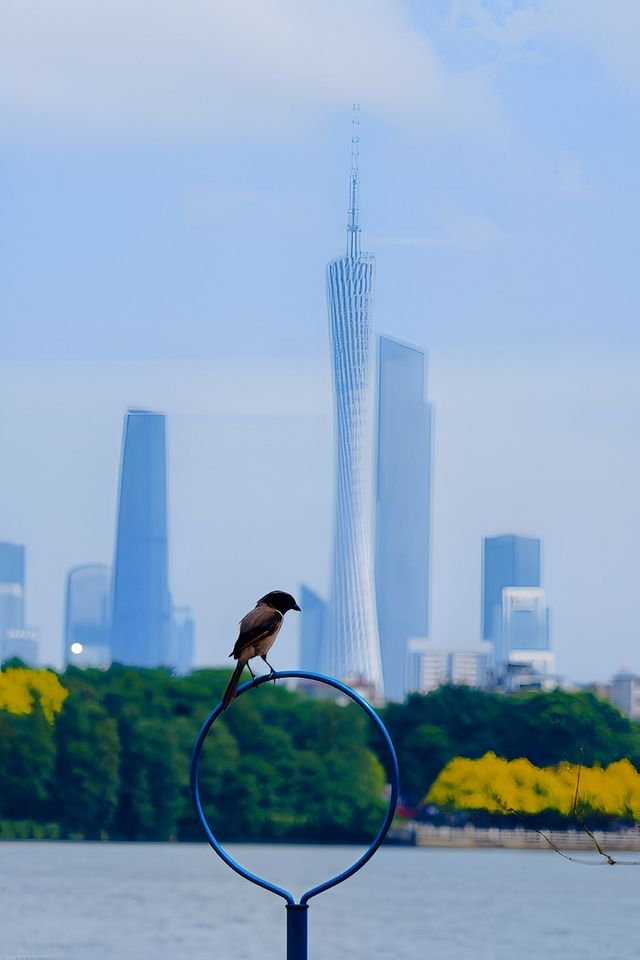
169	252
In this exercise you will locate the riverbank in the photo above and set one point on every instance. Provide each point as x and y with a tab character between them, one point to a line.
427	835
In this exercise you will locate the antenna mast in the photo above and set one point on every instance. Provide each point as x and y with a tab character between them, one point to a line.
353	225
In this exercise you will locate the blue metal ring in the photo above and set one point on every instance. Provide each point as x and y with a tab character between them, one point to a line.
386	823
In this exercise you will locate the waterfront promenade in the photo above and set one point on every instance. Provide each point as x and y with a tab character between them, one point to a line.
428	835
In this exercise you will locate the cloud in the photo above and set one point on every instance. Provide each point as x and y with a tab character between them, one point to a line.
528	28
201	68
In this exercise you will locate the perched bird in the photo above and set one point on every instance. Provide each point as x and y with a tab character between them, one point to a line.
258	630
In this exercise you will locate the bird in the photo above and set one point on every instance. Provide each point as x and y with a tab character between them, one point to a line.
258	630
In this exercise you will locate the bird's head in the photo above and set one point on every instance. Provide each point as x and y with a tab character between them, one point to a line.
279	600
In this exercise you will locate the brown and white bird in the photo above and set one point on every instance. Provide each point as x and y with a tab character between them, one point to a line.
258	630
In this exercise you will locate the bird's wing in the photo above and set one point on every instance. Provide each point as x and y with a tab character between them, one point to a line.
258	623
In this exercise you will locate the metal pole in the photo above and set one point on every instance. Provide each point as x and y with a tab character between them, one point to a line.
297	912
297	931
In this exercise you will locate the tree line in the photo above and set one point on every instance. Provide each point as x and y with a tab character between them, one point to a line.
114	761
91	753
546	729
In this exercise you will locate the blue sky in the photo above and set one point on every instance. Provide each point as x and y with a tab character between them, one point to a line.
175	180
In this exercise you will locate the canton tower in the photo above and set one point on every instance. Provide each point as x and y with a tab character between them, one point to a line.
352	648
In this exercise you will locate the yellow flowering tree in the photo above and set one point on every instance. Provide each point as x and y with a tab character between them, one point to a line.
505	786
19	686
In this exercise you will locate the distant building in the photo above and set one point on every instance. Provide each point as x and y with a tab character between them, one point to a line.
428	668
352	647
468	668
625	692
23	643
524	637
312	626
403	506
507	561
182	645
87	634
141	619
11	591
16	639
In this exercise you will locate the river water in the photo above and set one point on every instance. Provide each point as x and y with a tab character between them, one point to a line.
64	901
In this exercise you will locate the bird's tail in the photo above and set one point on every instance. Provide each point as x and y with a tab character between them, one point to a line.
232	686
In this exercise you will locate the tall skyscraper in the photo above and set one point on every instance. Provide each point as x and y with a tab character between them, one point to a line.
351	648
403	506
87	634
514	611
525	618
523	642
182	643
141	620
507	561
312	626
11	588
16	639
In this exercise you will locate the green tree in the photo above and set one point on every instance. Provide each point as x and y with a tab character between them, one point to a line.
27	762
87	780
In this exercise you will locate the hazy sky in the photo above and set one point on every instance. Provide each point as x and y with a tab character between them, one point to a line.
175	180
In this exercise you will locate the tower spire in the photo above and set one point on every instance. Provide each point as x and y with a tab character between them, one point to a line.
353	225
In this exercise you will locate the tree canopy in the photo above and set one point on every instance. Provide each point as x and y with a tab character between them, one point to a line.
544	728
93	753
115	763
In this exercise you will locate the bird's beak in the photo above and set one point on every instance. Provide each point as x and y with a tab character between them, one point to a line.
297	608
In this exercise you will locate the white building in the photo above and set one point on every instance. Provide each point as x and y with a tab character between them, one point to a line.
625	692
428	667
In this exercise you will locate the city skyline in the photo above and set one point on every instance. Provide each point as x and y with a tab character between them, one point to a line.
166	232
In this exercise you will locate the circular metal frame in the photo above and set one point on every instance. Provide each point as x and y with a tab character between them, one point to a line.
386	823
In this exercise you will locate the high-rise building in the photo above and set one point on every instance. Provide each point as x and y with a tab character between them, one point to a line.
351	647
182	643
141	618
16	639
507	561
11	589
403	506
515	617
525	618
87	634
312	624
23	643
523	641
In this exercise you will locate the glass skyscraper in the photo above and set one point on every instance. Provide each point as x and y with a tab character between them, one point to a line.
182	643
507	561
351	648
11	588
141	619
16	639
87	634
312	626
403	506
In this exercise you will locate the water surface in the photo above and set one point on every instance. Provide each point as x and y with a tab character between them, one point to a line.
180	902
